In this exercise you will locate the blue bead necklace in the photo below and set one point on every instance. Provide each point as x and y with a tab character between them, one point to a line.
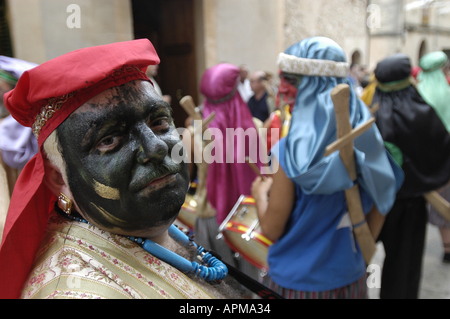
211	268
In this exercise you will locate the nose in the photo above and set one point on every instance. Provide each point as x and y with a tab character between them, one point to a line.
150	147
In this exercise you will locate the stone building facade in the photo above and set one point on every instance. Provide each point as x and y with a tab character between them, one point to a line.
192	35
413	27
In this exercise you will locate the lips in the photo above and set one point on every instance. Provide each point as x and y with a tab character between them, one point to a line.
160	182
151	177
154	175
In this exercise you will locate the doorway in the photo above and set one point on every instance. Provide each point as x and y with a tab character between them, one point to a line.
170	26
5	37
356	57
422	49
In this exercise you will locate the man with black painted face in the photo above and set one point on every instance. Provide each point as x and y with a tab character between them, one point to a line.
117	148
91	214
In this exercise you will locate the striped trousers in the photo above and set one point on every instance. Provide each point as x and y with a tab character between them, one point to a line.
356	290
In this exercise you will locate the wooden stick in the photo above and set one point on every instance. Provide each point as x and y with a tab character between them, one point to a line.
341	100
254	168
374	108
348	138
281	105
208	120
187	103
439	203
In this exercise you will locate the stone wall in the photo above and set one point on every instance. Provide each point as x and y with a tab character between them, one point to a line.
39	29
344	21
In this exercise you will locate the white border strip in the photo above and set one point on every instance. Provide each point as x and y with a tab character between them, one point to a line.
312	67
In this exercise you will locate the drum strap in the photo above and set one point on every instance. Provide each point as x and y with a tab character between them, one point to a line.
262	291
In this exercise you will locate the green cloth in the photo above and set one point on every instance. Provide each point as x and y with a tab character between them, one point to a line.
433	86
7	77
395	152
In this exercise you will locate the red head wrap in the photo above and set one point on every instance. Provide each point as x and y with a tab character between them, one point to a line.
42	99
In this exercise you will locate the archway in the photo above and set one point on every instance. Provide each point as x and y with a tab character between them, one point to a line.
422	49
356	57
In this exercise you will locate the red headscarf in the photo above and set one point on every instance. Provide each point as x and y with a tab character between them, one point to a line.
43	98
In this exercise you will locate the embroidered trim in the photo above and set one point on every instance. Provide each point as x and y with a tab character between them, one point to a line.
56	103
312	67
47	112
394	86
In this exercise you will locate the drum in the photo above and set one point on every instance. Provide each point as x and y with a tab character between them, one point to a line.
243	234
188	211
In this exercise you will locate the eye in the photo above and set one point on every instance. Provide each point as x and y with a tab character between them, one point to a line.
109	143
293	80
160	124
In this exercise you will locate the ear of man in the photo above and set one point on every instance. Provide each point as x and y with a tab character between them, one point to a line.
54	180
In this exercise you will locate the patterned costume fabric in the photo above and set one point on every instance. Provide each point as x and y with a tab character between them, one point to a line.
79	261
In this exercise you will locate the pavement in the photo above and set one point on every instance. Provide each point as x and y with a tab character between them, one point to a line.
435	282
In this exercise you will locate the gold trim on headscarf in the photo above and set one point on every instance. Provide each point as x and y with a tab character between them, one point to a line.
394	86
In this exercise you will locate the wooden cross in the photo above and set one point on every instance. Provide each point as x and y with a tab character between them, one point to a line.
188	105
344	144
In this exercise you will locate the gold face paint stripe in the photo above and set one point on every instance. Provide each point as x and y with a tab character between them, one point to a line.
106	191
110	218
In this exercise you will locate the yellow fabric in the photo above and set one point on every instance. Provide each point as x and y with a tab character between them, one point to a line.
79	261
368	93
286	123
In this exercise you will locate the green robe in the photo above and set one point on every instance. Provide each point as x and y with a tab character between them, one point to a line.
433	86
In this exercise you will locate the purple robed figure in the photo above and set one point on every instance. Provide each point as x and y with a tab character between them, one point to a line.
17	143
235	138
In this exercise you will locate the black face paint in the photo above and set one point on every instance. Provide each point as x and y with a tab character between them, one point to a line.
117	151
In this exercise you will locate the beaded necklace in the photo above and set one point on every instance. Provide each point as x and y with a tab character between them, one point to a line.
210	269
